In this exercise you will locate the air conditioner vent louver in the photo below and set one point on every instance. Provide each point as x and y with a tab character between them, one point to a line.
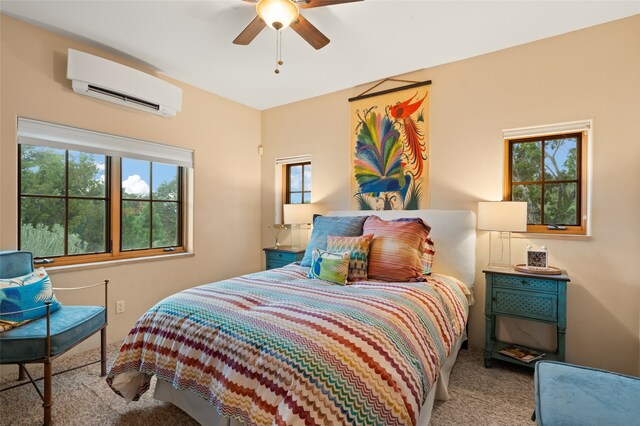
110	81
122	97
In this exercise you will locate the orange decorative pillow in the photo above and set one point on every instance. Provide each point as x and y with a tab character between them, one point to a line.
359	249
396	250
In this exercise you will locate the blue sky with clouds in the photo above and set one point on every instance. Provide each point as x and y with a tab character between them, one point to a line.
136	176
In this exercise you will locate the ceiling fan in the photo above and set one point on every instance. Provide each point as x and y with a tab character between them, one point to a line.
279	14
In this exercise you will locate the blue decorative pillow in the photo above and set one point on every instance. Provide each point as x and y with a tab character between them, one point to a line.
26	292
323	226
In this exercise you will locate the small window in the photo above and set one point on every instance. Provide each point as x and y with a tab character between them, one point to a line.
151	203
549	174
64	202
298	183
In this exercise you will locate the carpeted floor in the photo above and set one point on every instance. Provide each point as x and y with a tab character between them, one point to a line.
502	395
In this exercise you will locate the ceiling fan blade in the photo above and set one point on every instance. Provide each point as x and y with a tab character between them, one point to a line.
308	4
311	34
248	34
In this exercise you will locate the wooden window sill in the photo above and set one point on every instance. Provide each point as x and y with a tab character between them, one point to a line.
116	262
545	236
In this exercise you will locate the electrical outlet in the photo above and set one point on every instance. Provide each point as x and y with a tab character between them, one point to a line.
119	306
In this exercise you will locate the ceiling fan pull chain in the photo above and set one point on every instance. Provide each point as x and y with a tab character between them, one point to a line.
280	48
278	51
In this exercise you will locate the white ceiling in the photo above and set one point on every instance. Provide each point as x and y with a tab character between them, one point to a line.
370	40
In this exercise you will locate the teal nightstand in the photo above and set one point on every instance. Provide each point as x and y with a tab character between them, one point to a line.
282	256
541	298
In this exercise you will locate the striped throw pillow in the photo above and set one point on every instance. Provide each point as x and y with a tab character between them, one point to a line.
396	250
358	247
428	255
429	247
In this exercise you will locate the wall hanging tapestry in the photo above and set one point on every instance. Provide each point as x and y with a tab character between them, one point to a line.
389	140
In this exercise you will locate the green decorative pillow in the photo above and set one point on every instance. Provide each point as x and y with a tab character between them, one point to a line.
332	267
358	247
25	292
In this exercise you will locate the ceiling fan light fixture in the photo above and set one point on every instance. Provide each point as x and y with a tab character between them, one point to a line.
278	14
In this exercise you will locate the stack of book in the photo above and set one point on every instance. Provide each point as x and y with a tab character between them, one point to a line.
521	353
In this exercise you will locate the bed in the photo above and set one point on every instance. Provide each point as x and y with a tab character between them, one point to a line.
276	347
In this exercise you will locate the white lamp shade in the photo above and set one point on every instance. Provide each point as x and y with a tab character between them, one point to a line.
278	14
504	216
298	213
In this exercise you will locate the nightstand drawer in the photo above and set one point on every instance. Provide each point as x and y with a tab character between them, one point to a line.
525	283
272	264
523	304
279	256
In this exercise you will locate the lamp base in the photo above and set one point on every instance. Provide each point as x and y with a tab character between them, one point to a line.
500	249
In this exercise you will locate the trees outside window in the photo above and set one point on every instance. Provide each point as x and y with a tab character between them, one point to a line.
64	202
151	205
547	172
70	213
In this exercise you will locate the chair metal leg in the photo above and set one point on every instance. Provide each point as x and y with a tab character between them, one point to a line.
103	352
21	373
47	393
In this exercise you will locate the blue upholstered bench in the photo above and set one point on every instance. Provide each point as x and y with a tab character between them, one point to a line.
570	395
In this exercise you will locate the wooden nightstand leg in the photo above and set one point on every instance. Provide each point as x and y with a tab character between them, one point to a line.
562	332
562	319
489	339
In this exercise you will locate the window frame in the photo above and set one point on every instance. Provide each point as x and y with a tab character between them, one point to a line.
581	179
66	197
113	217
288	191
179	202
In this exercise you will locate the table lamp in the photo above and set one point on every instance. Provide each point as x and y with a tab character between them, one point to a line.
502	218
297	215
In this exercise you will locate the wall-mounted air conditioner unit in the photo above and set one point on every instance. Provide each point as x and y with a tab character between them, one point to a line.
110	81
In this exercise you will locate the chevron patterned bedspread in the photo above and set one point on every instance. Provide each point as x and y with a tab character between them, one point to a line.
276	347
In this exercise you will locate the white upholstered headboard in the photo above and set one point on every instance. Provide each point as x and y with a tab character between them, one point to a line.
452	231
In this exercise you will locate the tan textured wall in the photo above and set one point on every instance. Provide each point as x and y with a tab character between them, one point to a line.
225	136
592	73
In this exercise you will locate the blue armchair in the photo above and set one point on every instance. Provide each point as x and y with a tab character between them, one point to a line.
44	339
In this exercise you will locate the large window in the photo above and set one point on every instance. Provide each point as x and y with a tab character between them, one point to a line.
548	172
64	202
86	197
298	183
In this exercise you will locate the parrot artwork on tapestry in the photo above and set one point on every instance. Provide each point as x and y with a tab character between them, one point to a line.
414	140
